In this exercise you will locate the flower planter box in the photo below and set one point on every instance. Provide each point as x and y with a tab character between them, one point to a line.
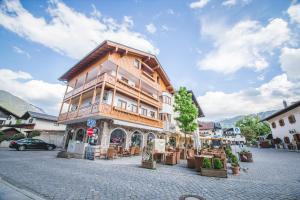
149	164
246	157
220	173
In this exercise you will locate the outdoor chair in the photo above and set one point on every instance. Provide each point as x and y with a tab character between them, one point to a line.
137	151
111	153
103	152
132	151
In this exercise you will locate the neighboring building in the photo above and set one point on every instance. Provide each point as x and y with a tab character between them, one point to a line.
285	123
233	135
17	116
210	129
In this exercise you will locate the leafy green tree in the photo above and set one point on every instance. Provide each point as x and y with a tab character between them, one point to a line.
187	112
251	127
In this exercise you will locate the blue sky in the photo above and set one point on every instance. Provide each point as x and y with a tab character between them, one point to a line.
238	56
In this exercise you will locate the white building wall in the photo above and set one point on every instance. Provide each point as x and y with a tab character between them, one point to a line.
283	131
167	108
48	125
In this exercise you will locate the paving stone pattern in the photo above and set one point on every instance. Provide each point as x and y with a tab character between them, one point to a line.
275	174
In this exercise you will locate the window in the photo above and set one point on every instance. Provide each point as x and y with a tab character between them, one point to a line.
292	119
124	79
157	79
136	63
9	117
133	108
273	125
144	111
122	104
281	122
152	114
30	121
166	99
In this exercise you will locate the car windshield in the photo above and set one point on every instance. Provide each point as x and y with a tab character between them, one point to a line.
38	141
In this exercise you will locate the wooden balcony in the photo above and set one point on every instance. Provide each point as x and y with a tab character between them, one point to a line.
121	86
106	110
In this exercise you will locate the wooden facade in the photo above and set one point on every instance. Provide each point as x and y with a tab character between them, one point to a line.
115	82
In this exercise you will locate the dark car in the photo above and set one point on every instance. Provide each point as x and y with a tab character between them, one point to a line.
29	143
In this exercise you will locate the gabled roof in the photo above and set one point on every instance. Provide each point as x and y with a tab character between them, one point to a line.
39	116
200	112
288	108
109	46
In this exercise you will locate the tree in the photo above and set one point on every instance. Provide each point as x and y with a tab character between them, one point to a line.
187	112
251	127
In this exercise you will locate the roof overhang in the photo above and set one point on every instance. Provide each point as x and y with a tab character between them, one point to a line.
107	47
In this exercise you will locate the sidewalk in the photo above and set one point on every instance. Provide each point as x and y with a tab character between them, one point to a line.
10	192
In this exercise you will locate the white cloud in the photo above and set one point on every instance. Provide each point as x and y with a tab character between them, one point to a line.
290	62
219	105
245	45
230	3
46	95
70	32
199	4
294	13
151	28
21	51
95	13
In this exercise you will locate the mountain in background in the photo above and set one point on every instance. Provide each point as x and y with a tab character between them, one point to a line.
16	105
230	122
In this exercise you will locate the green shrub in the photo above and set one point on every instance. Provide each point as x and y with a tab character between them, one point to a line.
234	160
218	163
206	163
17	136
33	134
3	137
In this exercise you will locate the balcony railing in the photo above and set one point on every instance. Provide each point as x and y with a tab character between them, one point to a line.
121	86
108	111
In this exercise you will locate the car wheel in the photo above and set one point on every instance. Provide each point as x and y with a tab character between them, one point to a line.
50	148
21	148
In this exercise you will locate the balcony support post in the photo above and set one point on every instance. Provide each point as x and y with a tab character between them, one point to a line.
101	95
114	94
63	99
70	101
79	104
139	97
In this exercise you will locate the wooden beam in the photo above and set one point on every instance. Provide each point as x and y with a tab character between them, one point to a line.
114	94
148	67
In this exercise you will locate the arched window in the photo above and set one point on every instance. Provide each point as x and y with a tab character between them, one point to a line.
136	139
118	138
281	122
273	125
292	119
80	135
150	137
172	141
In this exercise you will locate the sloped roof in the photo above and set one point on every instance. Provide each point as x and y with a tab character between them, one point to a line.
16	105
108	46
39	116
288	108
200	112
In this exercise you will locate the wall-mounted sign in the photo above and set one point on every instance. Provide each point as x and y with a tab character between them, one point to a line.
236	130
91	123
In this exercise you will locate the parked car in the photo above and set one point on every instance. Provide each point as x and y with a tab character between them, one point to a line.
29	143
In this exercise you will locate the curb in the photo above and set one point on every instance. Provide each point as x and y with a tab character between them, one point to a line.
24	192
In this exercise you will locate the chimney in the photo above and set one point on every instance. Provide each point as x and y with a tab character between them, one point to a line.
284	104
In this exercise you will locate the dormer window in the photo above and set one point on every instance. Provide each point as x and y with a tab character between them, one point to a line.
292	119
281	122
273	125
136	63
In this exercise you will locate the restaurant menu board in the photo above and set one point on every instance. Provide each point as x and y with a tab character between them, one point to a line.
89	153
159	145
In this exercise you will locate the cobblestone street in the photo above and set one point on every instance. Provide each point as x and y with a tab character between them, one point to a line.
275	174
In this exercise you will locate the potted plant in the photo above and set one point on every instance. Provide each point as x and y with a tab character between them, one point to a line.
215	170
147	157
245	156
235	167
